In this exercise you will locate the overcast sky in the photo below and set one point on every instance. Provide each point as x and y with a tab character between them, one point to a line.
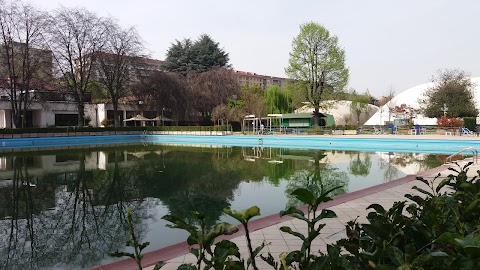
388	43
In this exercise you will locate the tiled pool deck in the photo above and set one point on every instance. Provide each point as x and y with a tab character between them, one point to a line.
347	207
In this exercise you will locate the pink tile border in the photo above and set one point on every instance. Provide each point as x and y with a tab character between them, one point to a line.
180	249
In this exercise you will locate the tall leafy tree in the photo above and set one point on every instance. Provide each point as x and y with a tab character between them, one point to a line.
298	93
200	56
455	89
24	62
317	63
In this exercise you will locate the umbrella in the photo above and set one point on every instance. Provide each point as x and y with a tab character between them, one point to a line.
162	118
138	117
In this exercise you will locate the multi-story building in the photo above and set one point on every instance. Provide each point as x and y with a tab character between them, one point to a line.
57	107
40	61
138	67
264	81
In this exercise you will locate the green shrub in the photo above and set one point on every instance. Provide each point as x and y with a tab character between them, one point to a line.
54	129
438	230
470	123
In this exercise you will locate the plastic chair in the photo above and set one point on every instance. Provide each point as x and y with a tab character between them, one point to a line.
466	131
394	130
377	131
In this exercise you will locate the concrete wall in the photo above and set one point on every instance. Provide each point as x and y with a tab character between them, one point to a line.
44	113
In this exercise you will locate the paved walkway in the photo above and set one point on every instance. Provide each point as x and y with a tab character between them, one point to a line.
347	208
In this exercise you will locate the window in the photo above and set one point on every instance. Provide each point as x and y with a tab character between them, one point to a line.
66	119
69	97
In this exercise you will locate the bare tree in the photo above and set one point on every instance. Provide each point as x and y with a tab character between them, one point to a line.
220	113
24	64
116	63
347	118
391	105
164	92
210	89
76	36
360	104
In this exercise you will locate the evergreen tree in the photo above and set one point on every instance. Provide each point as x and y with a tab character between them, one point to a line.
207	55
200	56
179	58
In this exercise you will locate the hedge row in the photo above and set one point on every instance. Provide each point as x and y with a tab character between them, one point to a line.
100	129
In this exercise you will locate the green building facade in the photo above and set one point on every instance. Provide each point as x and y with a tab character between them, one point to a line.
306	120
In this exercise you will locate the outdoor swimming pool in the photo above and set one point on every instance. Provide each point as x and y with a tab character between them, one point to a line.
63	209
325	143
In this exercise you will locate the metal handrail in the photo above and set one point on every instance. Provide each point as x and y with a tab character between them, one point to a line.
474	153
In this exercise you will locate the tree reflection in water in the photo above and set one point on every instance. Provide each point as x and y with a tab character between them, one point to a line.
360	167
390	172
65	209
62	222
323	176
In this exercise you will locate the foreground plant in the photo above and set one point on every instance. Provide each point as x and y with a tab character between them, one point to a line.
135	244
202	243
244	217
439	230
305	258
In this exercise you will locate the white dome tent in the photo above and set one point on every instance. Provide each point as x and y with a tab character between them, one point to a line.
341	112
410	98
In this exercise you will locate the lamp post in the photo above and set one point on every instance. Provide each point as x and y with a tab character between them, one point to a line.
163	109
445	110
381	112
140	105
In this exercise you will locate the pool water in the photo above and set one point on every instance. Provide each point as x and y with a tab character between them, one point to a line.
64	209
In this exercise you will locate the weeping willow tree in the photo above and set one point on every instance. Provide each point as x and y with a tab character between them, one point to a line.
277	100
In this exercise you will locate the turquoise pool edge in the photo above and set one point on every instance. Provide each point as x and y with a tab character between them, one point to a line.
383	144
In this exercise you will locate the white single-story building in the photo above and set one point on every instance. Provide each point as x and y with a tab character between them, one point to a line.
63	112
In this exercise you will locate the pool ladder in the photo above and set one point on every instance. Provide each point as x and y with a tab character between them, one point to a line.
474	154
259	137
